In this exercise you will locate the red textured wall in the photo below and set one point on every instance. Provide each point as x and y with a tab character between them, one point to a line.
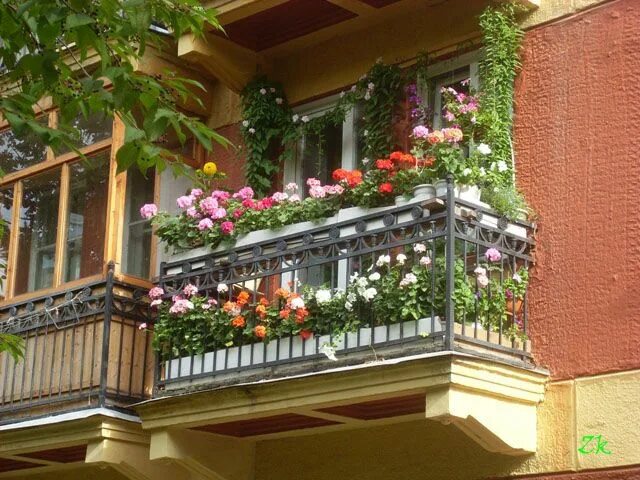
577	141
230	160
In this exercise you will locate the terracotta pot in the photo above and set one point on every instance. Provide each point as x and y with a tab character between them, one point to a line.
510	307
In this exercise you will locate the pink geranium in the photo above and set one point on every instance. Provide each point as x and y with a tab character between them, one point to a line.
189	290
248	203
316	191
279	197
205	224
155	293
313	182
220	195
196	192
209	205
180	306
218	213
244	193
185	201
227	227
148	211
420	131
492	255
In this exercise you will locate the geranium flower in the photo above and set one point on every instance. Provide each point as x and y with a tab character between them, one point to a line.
401	258
480	271
180	306
369	294
189	290
374	277
297	302
516	278
408	279
222	288
155	293
260	331
435	137
419	248
284	313
484	149
323	296
238	322
148	211
243	298
383	260
196	192
453	135
482	280
420	131
492	255
425	261
313	182
205	224
385	188
226	227
306	334
244	193
383	164
185	201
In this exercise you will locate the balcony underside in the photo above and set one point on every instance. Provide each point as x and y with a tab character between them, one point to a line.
452	389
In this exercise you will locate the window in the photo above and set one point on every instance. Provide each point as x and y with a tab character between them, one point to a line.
319	155
136	250
58	207
448	73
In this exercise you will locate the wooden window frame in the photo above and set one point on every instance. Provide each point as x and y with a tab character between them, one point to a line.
117	183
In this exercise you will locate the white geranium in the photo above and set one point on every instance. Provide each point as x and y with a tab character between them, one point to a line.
323	296
419	248
245	123
425	261
466	172
375	276
480	271
351	297
295	118
408	279
369	294
354	276
483	172
517	278
348	306
484	149
383	260
362	282
401	258
502	166
223	288
263	91
305	119
297	303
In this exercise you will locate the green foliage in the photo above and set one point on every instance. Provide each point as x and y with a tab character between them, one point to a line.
13	345
378	109
270	130
498	68
507	201
83	56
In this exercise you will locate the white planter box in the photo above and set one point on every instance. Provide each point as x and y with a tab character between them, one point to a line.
294	347
492	221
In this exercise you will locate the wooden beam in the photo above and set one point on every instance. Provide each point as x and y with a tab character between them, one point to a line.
115	201
355	6
12	257
61	234
231	10
230	63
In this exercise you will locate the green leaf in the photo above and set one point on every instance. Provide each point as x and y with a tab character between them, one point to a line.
77	20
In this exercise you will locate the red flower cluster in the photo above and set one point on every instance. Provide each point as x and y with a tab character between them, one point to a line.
403	158
383	164
385	188
351	177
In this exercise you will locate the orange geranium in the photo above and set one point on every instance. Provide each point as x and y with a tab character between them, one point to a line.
260	331
301	314
238	322
228	306
261	310
283	292
284	313
264	301
306	334
243	298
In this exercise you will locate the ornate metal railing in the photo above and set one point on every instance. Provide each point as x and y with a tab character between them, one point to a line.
456	235
82	348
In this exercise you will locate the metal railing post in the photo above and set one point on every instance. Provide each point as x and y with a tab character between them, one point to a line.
106	332
450	265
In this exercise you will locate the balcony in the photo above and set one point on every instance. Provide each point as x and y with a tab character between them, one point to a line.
454	234
83	349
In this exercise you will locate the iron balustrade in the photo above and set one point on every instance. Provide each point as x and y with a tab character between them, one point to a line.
83	349
456	233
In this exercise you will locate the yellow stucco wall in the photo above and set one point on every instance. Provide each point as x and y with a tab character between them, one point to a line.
604	404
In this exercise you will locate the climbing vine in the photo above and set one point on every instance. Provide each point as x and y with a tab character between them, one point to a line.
498	67
270	130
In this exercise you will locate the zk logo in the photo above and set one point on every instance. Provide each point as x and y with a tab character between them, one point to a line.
594	444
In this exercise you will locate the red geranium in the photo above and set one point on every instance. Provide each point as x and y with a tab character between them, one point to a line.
396	155
351	177
383	164
385	188
340	174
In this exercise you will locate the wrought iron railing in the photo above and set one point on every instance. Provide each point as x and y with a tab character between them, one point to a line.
82	348
456	235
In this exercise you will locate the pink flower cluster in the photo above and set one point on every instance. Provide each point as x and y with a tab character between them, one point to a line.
148	211
317	190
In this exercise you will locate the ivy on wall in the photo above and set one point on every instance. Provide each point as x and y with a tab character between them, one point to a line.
498	67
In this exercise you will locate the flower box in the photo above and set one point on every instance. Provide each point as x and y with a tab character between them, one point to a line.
259	355
265	235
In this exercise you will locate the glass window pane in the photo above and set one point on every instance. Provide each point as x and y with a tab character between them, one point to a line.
38	230
6	211
87	217
90	130
136	251
17	153
321	154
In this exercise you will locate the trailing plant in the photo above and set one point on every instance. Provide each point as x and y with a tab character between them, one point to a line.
498	67
267	130
507	201
270	130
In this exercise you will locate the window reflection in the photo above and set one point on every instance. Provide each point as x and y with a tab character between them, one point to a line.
6	212
18	152
90	130
136	248
86	217
38	229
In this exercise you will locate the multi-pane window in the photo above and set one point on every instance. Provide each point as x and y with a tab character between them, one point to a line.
136	250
